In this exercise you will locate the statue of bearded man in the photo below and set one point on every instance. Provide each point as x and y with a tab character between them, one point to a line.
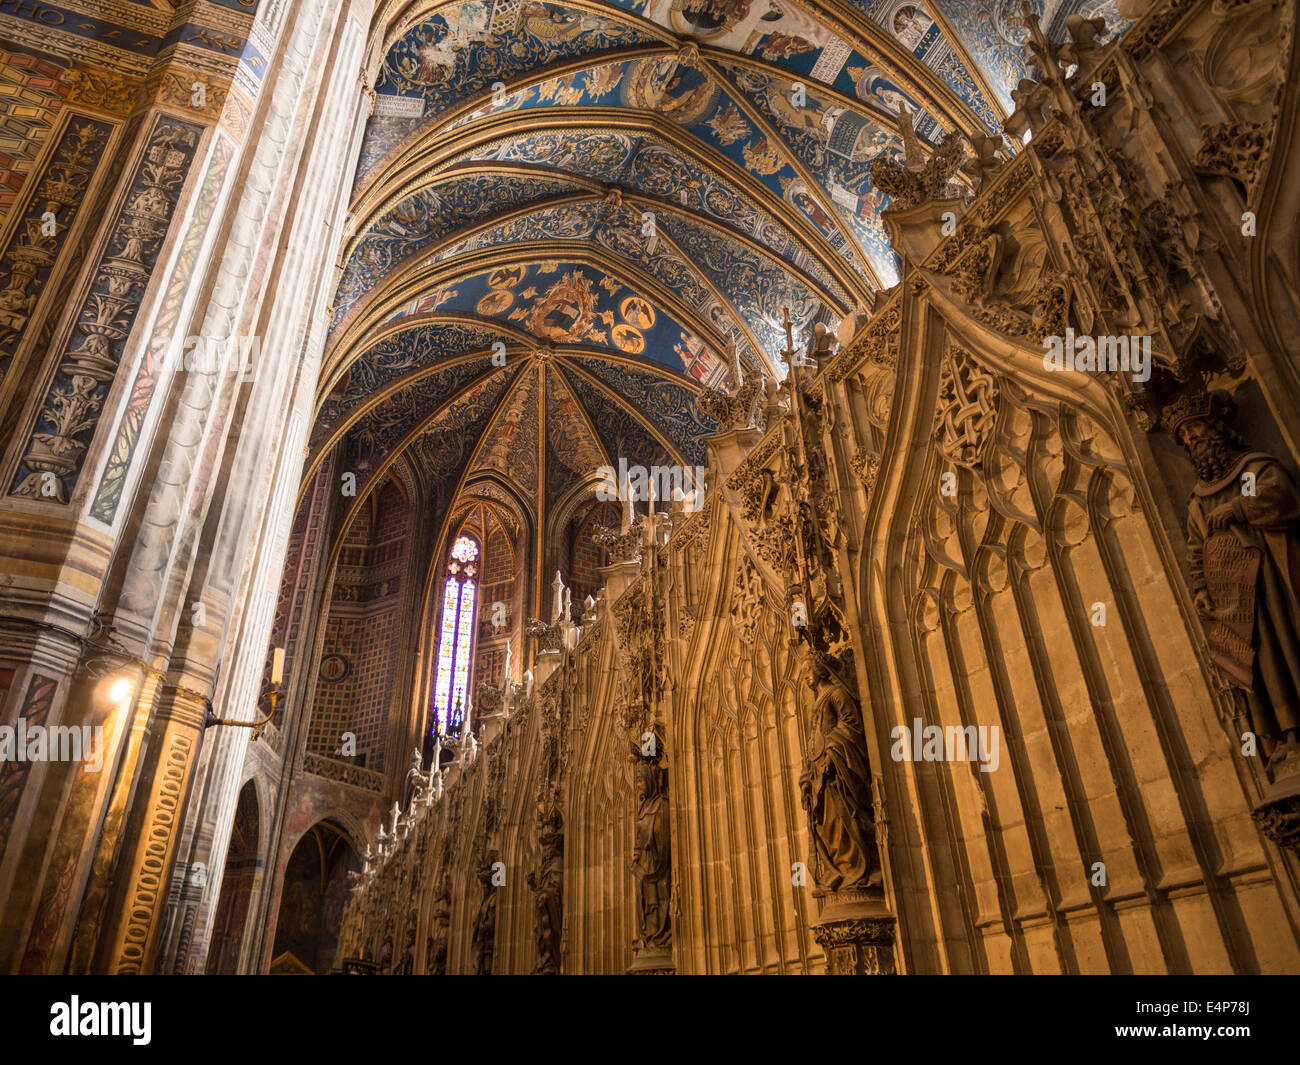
836	788
1244	558
548	893
652	858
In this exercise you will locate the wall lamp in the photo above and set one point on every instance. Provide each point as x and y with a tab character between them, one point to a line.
273	692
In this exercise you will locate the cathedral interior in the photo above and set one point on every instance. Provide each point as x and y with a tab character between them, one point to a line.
649	486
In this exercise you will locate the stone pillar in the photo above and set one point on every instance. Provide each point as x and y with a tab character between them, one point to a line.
856	931
60	550
130	940
134	489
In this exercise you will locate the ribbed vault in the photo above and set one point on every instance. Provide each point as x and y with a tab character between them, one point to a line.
566	218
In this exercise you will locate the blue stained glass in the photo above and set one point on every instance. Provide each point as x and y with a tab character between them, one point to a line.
456	639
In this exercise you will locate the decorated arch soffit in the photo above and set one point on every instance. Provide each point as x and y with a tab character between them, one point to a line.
717	75
777	105
691	280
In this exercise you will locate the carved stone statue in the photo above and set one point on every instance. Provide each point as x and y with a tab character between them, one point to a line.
436	947
1244	558
548	891
485	922
652	859
836	788
407	965
416	779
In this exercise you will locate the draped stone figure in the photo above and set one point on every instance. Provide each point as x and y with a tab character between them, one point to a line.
548	892
652	859
436	946
485	921
836	788
1244	562
406	966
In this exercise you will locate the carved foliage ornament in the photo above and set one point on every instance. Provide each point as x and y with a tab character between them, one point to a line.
548	637
58	446
973	259
866	467
746	599
914	183
622	546
1235	150
29	257
878	343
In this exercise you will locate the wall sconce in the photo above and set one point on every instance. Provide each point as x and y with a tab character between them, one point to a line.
273	692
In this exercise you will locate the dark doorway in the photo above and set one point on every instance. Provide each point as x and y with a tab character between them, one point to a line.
241	876
312	900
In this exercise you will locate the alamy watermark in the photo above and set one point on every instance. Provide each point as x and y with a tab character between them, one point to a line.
931	743
53	743
639	484
208	355
79	1018
1102	354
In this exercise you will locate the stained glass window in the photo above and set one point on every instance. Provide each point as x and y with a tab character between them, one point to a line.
451	695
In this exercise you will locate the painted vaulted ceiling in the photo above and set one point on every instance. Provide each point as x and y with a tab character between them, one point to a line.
623	192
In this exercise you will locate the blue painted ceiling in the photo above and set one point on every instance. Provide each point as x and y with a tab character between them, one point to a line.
621	191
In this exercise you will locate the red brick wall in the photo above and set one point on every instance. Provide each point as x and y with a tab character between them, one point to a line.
364	627
498	587
585	558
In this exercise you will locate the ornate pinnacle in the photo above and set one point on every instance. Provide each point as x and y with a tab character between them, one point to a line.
788	351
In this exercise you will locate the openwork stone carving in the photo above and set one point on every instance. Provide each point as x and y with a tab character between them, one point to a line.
730	411
732	407
622	546
489	698
1010	184
919	180
878	343
754	482
1235	150
967	409
548	637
